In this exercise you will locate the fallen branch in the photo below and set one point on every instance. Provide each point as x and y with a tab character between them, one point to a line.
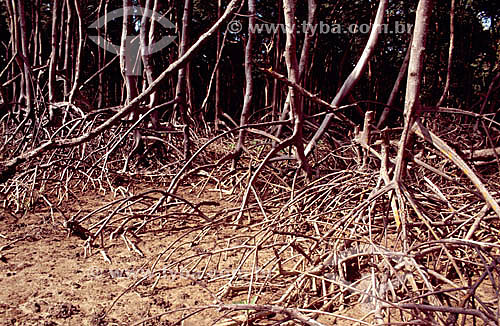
454	310
483	154
452	155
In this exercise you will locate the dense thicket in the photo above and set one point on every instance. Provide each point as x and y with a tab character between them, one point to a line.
332	55
366	151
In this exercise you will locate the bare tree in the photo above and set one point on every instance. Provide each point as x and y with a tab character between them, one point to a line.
181	90
22	58
247	101
54	50
128	68
294	76
146	54
69	41
101	55
78	59
304	59
218	109
355	75
450	55
416	66
127	61
395	88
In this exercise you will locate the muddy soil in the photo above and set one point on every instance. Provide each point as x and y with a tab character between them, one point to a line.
45	278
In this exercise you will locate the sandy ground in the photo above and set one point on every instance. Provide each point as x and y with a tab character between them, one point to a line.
46	280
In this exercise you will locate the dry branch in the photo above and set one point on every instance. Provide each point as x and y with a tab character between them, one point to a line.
452	155
355	75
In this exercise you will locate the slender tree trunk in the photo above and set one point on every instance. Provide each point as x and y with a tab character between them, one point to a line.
416	66
14	48
190	98
450	55
37	52
277	60
304	59
54	51
247	101
79	51
155	116
61	29
146	56
395	88
100	60
126	60
28	90
308	39
181	79
68	72
355	75
218	109
294	76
